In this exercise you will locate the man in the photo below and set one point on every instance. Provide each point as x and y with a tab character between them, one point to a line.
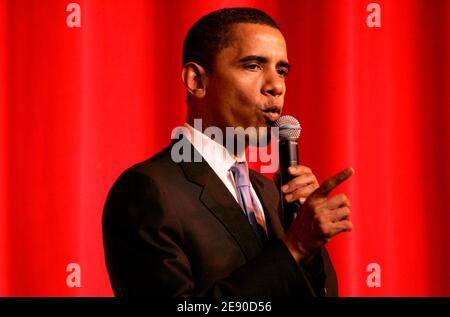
195	228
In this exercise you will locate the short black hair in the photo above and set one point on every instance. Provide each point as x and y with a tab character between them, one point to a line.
212	33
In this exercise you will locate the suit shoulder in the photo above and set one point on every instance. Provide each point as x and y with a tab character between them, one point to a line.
159	166
158	161
143	184
157	171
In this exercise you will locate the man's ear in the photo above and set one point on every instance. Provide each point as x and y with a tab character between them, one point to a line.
194	79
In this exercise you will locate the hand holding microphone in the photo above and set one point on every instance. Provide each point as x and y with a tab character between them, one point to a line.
289	132
319	218
298	182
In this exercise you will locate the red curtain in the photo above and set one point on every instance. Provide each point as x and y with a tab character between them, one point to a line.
78	105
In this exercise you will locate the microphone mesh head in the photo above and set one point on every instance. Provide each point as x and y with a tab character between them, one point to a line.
290	128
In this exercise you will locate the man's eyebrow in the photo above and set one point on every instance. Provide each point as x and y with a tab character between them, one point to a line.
253	58
262	60
284	64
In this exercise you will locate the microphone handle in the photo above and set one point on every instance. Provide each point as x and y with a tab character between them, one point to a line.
288	151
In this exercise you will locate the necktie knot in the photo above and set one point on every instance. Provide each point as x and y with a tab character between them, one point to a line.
240	173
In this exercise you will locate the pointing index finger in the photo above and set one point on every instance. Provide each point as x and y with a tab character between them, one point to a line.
331	183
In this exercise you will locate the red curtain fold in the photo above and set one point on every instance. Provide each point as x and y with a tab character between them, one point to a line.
79	105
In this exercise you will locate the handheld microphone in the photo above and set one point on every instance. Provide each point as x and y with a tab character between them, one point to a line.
289	132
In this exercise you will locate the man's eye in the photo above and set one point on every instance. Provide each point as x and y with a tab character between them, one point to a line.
283	72
253	66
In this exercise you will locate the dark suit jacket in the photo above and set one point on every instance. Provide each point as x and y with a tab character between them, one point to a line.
174	229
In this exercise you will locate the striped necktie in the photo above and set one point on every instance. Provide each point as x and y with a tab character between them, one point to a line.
246	200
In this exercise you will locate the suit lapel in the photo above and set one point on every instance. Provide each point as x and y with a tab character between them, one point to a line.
217	198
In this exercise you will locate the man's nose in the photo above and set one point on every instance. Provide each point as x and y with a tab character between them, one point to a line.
274	84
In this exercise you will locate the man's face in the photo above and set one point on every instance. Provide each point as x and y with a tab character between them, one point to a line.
246	85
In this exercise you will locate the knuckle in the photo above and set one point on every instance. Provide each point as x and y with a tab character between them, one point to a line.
311	179
306	190
348	202
296	182
291	183
348	211
315	181
349	226
305	168
299	193
341	197
346	226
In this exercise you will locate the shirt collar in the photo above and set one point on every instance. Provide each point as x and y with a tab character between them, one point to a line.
215	154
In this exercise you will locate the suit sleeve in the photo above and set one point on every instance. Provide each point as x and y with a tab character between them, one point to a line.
145	252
